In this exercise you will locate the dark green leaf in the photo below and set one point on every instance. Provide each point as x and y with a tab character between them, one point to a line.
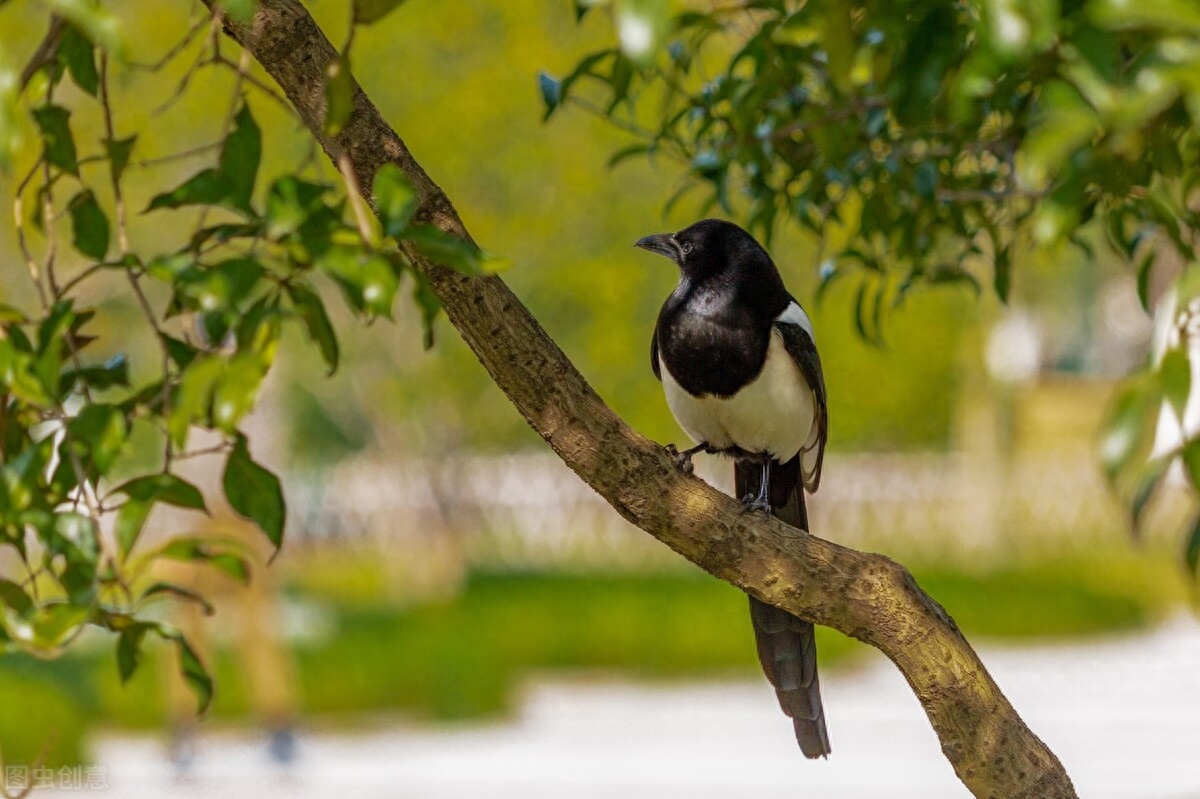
129	649
15	597
368	12
76	50
206	187
427	300
119	151
1191	551
445	249
1144	269
179	592
114	372
89	225
339	95
195	674
240	157
395	200
1147	486
58	145
1002	278
254	492
316	321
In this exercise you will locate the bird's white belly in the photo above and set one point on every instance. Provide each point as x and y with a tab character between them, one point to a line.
774	413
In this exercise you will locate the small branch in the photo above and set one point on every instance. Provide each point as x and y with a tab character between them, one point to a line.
45	53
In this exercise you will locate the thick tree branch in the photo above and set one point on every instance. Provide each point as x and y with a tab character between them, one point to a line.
866	596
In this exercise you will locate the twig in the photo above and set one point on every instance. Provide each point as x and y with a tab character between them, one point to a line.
45	52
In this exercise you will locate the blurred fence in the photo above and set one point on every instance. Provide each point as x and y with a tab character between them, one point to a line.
530	511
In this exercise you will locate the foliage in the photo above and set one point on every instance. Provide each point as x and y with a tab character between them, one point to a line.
215	305
930	142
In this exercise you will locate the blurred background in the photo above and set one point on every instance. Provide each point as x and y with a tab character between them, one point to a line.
455	613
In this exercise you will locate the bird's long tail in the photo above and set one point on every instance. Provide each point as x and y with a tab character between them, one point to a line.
787	648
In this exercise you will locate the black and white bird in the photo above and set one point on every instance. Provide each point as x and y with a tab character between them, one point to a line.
738	362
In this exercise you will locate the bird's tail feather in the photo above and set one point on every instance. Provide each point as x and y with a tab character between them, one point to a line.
787	648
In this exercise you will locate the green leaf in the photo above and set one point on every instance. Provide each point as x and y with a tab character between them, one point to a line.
368	12
215	552
254	492
240	157
58	145
316	321
1129	421
114	372
119	152
103	429
14	596
89	225
73	536
179	592
430	305
231	183
193	401
195	674
395	200
237	390
339	95
206	187
1191	551
1147	486
1002	278
1176	375
76	50
290	203
240	10
445	249
129	649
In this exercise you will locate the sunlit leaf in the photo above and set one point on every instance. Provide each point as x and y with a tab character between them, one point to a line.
1175	371
395	199
339	95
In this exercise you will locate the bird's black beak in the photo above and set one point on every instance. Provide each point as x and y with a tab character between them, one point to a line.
661	243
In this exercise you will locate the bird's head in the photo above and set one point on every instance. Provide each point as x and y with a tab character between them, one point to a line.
710	246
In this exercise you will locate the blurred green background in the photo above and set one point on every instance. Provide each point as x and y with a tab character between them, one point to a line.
459	85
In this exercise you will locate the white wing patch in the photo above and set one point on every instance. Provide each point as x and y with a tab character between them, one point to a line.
774	413
795	315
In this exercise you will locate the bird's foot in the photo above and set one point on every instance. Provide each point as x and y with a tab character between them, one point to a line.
682	459
752	502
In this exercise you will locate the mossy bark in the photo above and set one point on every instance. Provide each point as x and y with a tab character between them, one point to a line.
863	595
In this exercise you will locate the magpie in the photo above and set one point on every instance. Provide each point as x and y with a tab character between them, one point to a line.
738	362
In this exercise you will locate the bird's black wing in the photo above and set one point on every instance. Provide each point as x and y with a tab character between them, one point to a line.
654	352
803	350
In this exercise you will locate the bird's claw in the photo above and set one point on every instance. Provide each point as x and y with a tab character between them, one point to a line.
682	459
751	503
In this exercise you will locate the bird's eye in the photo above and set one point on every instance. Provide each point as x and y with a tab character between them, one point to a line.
685	247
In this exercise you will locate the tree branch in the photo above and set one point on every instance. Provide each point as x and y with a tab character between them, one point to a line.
866	596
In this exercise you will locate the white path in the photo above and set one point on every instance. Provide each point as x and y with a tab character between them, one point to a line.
1122	713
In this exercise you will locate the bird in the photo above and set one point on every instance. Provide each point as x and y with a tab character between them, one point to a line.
737	358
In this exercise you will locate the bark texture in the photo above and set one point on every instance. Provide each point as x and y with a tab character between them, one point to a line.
863	595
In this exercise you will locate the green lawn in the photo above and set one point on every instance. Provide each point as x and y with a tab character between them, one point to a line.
462	658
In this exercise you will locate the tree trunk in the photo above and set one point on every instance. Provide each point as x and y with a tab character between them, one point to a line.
866	596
